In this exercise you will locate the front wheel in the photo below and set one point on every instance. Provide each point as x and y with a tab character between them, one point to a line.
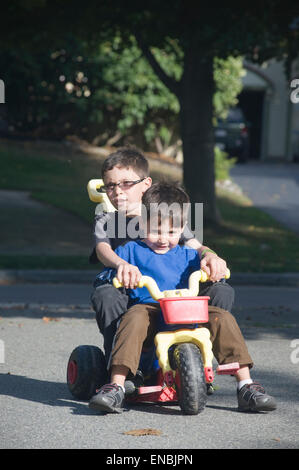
192	390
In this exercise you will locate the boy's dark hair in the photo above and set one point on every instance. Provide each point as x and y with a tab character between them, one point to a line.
127	157
166	200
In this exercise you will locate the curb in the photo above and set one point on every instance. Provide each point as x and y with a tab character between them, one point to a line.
45	306
265	279
13	276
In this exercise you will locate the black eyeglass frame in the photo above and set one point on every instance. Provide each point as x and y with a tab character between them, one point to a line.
104	189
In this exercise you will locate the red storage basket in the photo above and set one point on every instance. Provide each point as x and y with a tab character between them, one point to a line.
185	309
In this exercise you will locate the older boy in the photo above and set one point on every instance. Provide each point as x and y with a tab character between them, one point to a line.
160	256
126	177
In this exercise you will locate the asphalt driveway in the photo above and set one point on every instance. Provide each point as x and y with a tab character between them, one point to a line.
272	187
38	412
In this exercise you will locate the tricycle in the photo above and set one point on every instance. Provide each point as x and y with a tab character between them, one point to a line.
178	369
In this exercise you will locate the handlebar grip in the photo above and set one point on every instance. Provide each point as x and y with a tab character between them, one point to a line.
145	281
116	283
205	277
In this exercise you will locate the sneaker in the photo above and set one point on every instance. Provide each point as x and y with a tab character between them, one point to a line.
133	382
109	398
252	397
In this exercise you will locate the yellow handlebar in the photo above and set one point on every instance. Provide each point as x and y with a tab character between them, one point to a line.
94	195
145	281
192	291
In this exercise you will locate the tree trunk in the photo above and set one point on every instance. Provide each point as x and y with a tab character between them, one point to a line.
196	113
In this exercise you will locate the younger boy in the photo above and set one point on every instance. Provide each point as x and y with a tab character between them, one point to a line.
126	177
160	256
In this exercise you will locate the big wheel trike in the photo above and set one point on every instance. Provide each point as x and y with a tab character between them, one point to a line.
184	355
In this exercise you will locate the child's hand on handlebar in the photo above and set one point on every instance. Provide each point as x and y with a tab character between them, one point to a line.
128	275
214	266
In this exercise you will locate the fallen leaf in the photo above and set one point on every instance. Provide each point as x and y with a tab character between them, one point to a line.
47	319
144	432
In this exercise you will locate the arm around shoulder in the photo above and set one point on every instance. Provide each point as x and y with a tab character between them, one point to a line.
107	256
211	263
128	274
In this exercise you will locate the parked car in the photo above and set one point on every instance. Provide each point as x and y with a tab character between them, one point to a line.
232	135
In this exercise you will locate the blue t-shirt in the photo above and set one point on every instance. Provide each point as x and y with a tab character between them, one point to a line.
170	270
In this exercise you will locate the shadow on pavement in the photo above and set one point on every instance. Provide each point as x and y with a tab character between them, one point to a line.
282	385
41	391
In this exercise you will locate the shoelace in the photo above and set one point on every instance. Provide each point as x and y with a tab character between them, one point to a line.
108	388
257	387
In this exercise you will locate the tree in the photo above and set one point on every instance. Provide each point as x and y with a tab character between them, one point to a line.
107	95
256	31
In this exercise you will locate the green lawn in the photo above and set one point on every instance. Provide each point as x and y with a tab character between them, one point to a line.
58	179
250	240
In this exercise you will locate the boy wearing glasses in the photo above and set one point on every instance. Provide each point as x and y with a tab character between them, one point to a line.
159	255
126	177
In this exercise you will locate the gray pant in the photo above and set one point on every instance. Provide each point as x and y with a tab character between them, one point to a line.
110	304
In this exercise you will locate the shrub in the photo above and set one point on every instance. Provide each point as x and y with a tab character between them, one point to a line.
223	164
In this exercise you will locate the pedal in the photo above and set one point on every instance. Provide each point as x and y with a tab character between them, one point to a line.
149	389
228	369
209	374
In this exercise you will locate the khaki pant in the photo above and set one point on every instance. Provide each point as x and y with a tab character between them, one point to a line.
137	329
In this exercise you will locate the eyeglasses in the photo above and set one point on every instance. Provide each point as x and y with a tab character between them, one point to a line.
125	185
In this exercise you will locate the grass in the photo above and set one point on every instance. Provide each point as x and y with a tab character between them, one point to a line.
57	179
249	239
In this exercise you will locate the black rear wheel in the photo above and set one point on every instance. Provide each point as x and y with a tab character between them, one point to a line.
192	390
86	371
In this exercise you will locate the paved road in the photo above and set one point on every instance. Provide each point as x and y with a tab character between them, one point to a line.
40	329
273	187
